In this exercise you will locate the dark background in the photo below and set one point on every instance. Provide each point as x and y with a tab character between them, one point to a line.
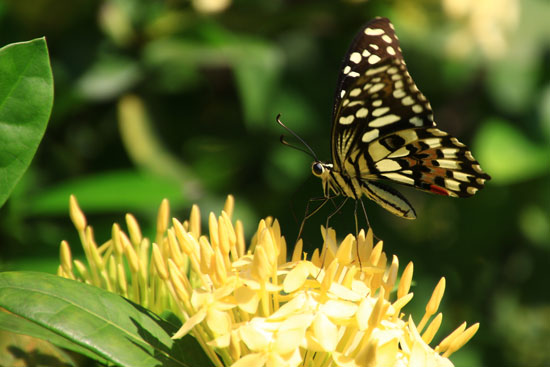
171	99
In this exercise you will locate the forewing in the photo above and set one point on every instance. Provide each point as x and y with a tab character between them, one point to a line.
383	126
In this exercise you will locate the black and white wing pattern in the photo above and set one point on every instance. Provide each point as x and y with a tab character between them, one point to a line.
383	127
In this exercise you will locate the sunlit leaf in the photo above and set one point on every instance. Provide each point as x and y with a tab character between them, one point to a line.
26	98
102	322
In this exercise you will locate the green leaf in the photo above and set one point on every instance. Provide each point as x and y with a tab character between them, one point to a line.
507	155
26	99
104	323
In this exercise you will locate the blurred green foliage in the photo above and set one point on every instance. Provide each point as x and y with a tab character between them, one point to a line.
178	99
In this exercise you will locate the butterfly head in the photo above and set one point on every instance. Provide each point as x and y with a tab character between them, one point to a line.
321	170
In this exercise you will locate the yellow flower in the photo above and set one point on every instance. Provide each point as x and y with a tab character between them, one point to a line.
251	307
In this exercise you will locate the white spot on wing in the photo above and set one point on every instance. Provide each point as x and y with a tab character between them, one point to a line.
437	132
362	112
461	176
416	121
377	87
347	69
471	190
354	74
370	135
355	57
448	163
346	120
417	108
366	53
452	184
384	120
477	168
449	152
387	38
374	46
399	93
377	70
377	103
401	152
374	31
342	93
387	165
399	178
457	143
373	59
407	101
433	142
355	92
380	111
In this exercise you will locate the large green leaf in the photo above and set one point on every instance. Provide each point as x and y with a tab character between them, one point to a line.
104	323
26	98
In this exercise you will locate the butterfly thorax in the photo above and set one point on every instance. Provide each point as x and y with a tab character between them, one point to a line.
339	183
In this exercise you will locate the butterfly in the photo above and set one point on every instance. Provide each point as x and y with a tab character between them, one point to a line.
383	129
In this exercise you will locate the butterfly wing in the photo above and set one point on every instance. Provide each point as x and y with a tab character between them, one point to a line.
383	126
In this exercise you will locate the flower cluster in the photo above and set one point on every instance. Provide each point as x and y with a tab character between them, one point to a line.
252	307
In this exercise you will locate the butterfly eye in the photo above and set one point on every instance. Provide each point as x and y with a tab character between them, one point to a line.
317	168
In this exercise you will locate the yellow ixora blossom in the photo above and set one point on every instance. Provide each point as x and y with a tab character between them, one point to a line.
252	307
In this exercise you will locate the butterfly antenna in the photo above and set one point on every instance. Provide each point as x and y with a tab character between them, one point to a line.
284	142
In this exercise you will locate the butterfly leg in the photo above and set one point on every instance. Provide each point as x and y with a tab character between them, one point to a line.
367	219
335	211
309	215
357	231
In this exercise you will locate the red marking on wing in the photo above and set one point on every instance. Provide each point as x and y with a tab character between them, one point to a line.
438	190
